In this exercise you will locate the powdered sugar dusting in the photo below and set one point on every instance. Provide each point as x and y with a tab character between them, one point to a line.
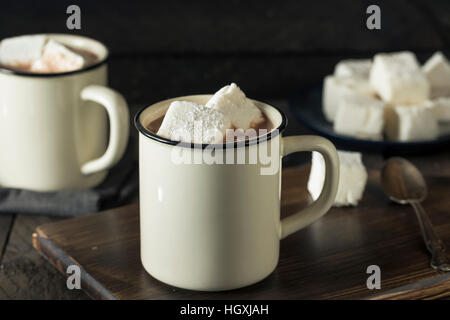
191	122
231	100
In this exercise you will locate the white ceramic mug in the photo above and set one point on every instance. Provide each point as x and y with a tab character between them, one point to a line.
217	226
54	127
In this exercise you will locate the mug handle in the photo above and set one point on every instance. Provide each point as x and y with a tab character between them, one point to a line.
319	207
119	124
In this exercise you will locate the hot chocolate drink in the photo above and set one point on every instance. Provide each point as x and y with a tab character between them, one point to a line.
41	54
227	116
89	57
265	126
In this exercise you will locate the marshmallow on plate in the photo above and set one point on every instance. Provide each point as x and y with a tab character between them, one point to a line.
359	68
441	109
361	117
336	88
437	70
231	101
20	51
411	123
190	122
398	78
56	57
352	178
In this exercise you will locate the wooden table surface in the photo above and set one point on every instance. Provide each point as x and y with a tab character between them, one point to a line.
24	274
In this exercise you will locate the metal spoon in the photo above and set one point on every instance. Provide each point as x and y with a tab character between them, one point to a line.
403	183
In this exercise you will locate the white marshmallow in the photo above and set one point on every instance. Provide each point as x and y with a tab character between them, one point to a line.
23	50
437	70
336	88
57	57
190	122
231	101
361	117
359	68
441	109
352	178
411	123
398	78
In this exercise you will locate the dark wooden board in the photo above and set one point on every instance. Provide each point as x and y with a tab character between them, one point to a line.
5	226
326	260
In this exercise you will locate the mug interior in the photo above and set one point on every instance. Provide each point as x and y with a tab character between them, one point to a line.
75	41
80	42
151	113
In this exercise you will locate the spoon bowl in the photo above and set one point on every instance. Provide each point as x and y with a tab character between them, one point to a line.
403	183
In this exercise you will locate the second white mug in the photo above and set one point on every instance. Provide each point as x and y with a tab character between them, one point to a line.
54	127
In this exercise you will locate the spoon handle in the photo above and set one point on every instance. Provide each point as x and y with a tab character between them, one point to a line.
432	241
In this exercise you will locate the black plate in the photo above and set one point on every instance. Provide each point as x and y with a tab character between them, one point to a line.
306	105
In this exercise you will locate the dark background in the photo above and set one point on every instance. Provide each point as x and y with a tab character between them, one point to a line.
163	49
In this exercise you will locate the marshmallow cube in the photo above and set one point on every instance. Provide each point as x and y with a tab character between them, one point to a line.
57	58
190	122
411	123
359	68
398	79
231	101
337	88
23	50
441	109
352	178
437	70
361	117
